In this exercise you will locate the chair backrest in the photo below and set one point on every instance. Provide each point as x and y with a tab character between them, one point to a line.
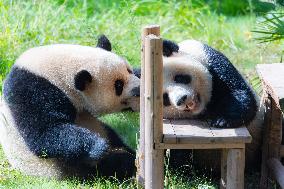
153	110
147	30
153	88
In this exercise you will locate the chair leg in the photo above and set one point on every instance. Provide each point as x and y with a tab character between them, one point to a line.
224	156
154	169
235	168
264	175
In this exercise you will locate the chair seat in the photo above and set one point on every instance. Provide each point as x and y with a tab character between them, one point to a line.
195	134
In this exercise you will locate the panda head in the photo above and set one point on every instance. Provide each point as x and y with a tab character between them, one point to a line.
109	85
187	85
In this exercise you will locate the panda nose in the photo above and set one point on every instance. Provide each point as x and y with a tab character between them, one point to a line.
135	91
182	100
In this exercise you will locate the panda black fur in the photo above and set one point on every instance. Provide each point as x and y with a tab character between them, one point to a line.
50	100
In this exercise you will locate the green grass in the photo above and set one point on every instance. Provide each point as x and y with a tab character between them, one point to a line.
227	27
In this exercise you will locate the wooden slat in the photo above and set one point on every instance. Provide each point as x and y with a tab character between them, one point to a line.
265	145
154	158
272	79
277	170
281	150
140	163
235	168
169	132
224	157
200	146
272	76
198	132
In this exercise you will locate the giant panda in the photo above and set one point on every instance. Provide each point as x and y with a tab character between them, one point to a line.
201	83
51	100
218	93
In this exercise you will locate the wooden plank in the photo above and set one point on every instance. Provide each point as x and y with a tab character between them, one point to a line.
199	146
154	158
272	137
281	150
275	130
169	132
277	170
235	168
223	180
272	76
265	146
140	163
198	132
157	86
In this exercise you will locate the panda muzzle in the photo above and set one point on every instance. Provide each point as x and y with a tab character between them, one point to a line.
135	92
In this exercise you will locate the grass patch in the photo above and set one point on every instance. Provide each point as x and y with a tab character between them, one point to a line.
25	24
126	125
10	179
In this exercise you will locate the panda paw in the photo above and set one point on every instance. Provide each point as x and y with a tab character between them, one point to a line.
226	123
220	123
118	163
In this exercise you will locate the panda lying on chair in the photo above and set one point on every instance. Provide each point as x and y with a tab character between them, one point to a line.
217	91
51	99
200	82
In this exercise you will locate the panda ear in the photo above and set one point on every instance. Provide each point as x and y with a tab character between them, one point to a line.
169	47
82	79
104	43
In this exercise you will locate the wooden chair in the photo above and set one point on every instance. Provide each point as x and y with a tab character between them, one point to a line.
272	77
157	134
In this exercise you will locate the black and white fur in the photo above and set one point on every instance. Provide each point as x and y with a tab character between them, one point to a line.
51	99
200	82
232	102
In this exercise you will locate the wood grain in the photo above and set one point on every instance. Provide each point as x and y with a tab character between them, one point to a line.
154	158
140	163
272	78
197	132
235	168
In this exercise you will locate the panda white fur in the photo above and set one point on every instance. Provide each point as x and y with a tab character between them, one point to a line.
200	82
51	99
229	101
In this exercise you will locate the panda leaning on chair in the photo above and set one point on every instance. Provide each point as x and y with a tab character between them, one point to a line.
51	100
201	83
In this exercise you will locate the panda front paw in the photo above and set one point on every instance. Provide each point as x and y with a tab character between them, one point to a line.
220	123
226	123
119	163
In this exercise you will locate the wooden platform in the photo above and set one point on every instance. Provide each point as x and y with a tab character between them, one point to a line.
194	134
273	77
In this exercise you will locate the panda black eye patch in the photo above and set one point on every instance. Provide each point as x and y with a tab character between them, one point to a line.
118	85
182	78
